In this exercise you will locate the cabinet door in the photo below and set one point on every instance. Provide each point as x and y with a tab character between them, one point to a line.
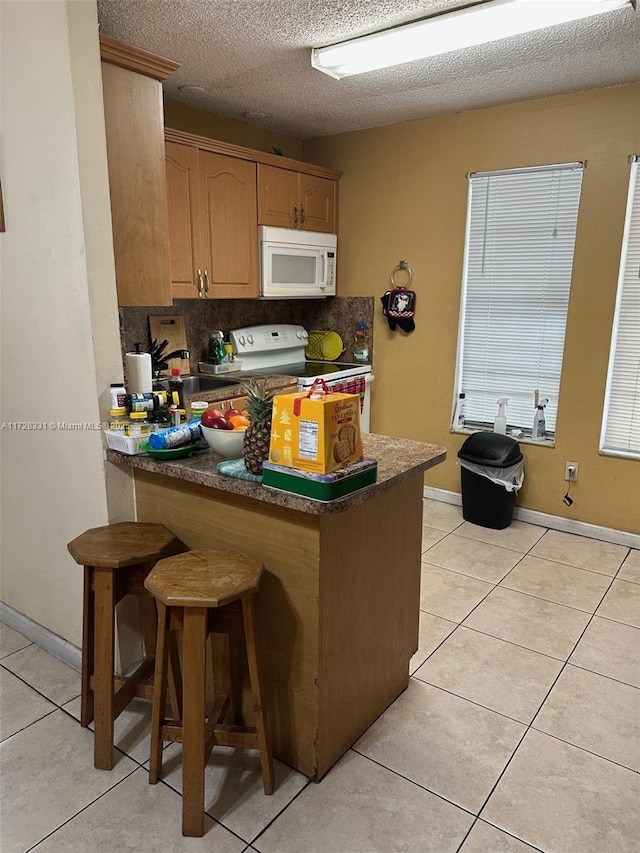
135	152
318	202
229	226
184	211
278	201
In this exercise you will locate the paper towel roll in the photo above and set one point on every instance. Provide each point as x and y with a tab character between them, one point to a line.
139	379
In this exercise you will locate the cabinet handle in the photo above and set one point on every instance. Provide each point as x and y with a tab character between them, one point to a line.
295	214
200	285
206	284
301	214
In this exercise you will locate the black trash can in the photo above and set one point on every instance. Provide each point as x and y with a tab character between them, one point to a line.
491	471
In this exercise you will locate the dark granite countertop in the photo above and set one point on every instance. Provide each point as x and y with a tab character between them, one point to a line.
398	459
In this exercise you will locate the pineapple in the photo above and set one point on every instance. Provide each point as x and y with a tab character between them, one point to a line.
258	435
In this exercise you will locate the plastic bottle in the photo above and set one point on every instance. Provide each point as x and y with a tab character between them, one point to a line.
458	417
539	431
361	343
175	384
217	351
138	424
500	423
175	436
118	419
118	395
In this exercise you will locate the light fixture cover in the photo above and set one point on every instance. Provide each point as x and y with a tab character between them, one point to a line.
474	25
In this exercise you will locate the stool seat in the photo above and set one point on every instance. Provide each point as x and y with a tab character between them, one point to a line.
117	558
204	578
122	544
202	593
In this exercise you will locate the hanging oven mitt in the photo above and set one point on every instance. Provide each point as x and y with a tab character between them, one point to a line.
384	299
401	308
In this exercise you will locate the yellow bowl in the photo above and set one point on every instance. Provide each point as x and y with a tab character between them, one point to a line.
226	442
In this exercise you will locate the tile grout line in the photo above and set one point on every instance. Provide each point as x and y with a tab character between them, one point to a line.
530	725
411	781
562	668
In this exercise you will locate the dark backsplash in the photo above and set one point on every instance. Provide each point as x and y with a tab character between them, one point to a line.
338	314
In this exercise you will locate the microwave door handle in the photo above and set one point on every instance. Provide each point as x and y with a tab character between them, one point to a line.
323	278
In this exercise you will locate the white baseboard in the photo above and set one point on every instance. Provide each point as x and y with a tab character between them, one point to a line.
544	519
43	637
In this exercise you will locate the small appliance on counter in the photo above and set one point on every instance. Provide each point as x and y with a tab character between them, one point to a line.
280	349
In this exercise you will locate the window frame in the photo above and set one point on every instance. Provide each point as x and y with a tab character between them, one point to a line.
629	254
466	318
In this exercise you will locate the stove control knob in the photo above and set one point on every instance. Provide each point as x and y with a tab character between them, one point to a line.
250	339
241	340
299	334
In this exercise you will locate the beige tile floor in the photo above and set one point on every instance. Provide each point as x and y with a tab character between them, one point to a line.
519	731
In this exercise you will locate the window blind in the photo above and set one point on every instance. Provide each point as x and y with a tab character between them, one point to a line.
621	421
521	228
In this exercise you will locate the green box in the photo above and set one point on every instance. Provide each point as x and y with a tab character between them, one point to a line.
320	487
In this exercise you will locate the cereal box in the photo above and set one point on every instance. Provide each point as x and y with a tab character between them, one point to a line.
316	431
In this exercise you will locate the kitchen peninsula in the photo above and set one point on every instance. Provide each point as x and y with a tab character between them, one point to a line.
338	607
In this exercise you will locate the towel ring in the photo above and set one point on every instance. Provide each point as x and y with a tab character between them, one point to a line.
402	266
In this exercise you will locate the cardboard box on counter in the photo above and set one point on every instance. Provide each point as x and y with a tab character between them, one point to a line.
316	432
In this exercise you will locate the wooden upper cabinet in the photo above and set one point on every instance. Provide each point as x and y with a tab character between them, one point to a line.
289	199
318	201
135	152
230	236
183	202
213	246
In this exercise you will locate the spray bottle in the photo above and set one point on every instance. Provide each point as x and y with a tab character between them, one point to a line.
458	416
539	431
500	423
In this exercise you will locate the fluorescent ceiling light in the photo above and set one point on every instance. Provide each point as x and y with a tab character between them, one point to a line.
474	25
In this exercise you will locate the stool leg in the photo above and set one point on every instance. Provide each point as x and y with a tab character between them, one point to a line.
86	700
149	617
104	604
262	727
159	696
193	746
175	677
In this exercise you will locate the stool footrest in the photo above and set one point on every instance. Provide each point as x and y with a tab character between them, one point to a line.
125	687
225	735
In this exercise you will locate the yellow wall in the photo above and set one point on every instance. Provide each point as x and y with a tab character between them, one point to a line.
191	120
403	195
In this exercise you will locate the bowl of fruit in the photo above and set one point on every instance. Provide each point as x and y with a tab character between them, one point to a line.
224	431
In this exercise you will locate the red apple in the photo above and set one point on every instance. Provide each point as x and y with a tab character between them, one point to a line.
209	415
220	423
231	413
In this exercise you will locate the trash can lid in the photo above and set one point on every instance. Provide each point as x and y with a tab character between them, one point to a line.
491	448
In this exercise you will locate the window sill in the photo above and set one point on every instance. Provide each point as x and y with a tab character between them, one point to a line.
525	439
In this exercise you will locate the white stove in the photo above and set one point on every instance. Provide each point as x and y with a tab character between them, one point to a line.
280	349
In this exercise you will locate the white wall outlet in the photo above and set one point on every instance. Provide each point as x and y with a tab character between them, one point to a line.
571	471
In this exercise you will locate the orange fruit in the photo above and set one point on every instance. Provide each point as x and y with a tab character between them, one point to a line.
239	422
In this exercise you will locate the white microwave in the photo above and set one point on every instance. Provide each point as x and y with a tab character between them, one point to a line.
296	264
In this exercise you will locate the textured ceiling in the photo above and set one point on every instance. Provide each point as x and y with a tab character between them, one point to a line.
253	59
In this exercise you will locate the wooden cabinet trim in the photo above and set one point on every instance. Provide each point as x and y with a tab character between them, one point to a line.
217	147
133	58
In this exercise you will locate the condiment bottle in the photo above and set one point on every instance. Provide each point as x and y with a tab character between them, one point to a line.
118	419
175	384
138	424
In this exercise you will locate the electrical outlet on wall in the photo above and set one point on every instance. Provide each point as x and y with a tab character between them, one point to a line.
571	471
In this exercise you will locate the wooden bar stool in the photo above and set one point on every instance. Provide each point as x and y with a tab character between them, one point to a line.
116	559
203	592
